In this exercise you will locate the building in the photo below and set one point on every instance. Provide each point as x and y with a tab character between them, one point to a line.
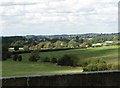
108	43
97	45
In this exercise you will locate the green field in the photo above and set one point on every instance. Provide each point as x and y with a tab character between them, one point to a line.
12	68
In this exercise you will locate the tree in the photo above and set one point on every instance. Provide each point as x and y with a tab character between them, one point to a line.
97	65
77	38
81	40
26	48
18	43
73	44
41	45
15	57
16	48
48	45
46	59
54	60
19	58
58	44
89	43
68	60
34	56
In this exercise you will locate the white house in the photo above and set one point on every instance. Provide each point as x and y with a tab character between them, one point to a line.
96	45
109	43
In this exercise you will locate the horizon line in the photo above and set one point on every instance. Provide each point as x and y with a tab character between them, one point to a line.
56	34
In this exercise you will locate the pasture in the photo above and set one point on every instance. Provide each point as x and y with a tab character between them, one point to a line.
12	68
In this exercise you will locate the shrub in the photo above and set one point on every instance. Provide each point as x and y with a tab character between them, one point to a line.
46	59
34	56
15	57
85	63
19	58
96	65
101	67
112	67
54	60
68	60
90	67
6	55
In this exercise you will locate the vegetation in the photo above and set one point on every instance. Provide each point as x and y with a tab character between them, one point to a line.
42	54
97	65
46	59
15	57
34	57
109	54
54	60
19	58
13	68
68	60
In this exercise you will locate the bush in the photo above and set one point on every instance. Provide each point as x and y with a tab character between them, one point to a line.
34	56
68	60
6	55
19	58
46	59
54	60
15	57
90	67
112	67
101	67
97	65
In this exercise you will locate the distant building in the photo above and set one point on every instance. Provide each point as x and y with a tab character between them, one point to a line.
109	43
97	45
21	49
88	38
11	49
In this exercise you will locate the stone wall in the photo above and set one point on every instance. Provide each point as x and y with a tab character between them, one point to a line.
108	78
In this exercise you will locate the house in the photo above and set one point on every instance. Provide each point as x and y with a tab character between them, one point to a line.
108	43
21	49
10	49
97	45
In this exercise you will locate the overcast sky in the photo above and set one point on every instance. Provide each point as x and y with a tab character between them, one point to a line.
23	17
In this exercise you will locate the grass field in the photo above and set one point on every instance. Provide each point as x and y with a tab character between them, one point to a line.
12	68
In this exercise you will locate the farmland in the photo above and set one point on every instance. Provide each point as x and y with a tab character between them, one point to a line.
12	68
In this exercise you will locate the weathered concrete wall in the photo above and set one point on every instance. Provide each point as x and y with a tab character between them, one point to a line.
110	78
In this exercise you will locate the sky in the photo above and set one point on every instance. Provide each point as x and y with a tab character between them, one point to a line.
42	17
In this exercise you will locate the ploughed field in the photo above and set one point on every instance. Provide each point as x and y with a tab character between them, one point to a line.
16	68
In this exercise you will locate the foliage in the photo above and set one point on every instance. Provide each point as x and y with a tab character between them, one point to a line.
54	60
48	45
6	55
83	45
88	43
26	48
58	44
98	65
28	68
46	59
68	60
73	44
18	43
15	57
16	48
20	58
34	57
